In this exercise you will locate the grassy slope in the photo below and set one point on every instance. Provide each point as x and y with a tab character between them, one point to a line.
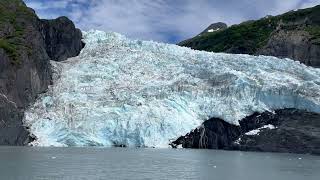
248	37
13	14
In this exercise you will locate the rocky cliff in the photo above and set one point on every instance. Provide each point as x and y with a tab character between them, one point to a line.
294	35
27	44
62	39
286	130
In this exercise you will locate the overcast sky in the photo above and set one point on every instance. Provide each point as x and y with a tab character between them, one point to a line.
161	20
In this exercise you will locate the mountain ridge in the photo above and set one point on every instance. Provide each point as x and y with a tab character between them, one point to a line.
294	35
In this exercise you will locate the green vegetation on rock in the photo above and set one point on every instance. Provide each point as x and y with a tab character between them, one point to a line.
250	36
13	14
315	32
247	37
10	49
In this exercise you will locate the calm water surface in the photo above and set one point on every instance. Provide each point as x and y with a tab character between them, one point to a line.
26	163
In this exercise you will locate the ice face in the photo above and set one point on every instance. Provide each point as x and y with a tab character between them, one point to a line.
139	93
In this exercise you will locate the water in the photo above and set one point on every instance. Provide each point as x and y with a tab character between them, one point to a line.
26	163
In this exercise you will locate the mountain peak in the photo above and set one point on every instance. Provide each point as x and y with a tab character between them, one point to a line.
215	27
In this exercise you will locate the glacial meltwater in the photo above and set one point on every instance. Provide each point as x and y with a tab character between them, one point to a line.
28	163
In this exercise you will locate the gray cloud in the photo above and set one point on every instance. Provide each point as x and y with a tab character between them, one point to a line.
162	20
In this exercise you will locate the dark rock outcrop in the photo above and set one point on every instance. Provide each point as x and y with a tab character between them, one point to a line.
25	69
294	35
62	39
296	131
212	134
298	45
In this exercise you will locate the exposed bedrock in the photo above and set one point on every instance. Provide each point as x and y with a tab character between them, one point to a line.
287	130
62	39
27	45
297	45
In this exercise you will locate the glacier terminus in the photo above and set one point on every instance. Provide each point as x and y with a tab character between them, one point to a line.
122	92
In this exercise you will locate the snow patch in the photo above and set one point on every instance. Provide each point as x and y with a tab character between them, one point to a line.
257	131
179	146
213	30
237	141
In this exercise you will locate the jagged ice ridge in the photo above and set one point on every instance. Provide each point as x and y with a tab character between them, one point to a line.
140	93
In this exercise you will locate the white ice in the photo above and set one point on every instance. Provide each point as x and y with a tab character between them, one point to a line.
257	131
213	30
141	93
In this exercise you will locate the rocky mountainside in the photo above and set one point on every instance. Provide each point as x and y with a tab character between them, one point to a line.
27	44
286	130
294	35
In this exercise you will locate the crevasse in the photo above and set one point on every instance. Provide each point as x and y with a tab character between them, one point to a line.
140	93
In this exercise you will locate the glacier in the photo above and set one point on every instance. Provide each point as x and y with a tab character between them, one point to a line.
122	92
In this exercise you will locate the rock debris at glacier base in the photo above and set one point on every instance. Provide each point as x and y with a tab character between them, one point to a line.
139	93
